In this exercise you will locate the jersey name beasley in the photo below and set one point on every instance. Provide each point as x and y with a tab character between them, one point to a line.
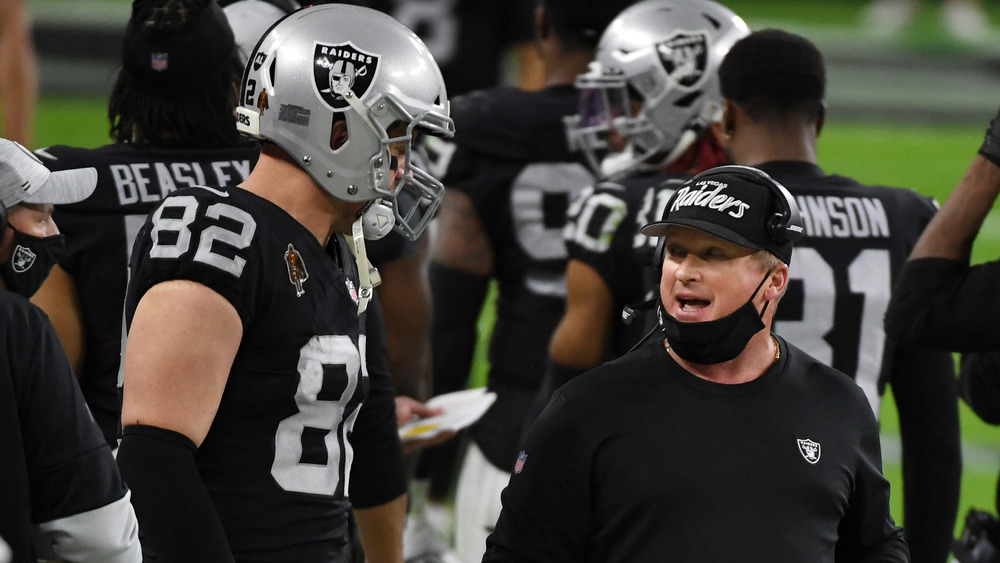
276	460
100	230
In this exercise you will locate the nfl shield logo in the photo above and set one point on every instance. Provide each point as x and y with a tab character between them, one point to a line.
685	56
158	61
339	67
810	450
519	465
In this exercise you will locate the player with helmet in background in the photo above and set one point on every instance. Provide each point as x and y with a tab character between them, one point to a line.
856	241
511	178
718	441
648	115
171	122
246	394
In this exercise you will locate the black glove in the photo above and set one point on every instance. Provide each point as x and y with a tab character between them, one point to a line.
991	144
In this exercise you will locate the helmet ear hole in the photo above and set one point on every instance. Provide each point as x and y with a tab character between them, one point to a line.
338	131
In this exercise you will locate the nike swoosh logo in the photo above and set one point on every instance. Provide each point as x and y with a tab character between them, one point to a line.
219	193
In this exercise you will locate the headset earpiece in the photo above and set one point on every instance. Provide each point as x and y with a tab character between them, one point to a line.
3	219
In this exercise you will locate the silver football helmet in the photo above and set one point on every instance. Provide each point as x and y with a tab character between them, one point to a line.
336	62
663	56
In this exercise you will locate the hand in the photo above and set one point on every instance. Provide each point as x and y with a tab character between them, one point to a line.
408	409
990	148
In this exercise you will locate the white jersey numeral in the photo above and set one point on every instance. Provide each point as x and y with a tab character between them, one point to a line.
325	413
870	275
206	252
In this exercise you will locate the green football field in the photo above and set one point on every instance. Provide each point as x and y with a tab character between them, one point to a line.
930	159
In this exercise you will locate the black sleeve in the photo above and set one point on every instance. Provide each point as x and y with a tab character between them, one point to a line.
979	384
177	520
546	506
926	394
71	469
458	298
867	532
378	474
946	305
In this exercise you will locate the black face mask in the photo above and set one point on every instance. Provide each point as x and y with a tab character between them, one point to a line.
31	260
714	342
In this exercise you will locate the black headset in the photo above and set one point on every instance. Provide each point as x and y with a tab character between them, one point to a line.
3	220
784	226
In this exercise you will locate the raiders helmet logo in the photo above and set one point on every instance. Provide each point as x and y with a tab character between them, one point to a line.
297	273
339	67
22	259
685	57
810	450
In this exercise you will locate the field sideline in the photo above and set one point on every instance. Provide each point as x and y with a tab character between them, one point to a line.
930	159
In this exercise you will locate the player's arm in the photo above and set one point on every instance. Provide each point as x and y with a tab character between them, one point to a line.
926	396
979	384
406	304
935	301
181	345
61	302
462	263
381	530
582	338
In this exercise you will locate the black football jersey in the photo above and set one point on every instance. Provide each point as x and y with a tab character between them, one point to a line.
54	462
100	231
856	240
277	459
603	232
509	155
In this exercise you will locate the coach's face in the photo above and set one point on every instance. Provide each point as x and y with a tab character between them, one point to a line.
33	219
705	277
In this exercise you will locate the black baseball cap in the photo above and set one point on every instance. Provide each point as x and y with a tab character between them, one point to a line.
740	204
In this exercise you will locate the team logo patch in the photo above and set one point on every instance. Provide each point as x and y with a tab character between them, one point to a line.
519	464
342	66
810	450
297	273
158	61
22	259
685	57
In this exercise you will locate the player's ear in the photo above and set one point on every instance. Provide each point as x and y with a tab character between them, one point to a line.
542	28
338	133
820	119
728	122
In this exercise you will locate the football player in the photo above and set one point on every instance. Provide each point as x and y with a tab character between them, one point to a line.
857	238
244	369
171	112
513	178
647	109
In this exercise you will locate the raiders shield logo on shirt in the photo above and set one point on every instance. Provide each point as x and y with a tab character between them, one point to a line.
684	57
342	66
810	450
